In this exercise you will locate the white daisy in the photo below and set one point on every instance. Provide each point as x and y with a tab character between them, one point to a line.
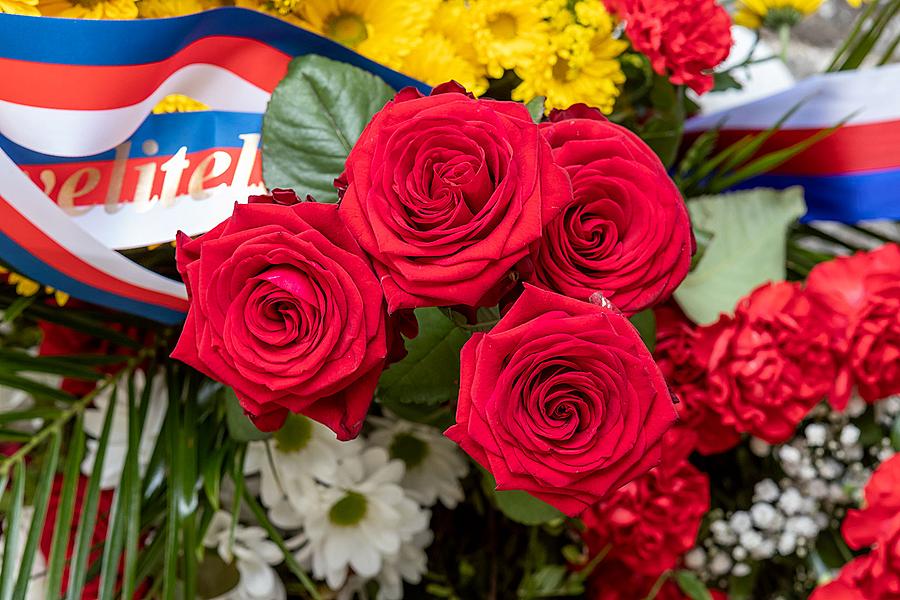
434	464
359	520
409	564
117	447
252	553
302	450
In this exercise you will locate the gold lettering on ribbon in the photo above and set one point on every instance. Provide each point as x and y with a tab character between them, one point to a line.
220	162
173	169
246	160
72	188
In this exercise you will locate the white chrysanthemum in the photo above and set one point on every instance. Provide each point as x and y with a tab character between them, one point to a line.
358	520
252	553
117	447
407	565
37	589
434	464
301	451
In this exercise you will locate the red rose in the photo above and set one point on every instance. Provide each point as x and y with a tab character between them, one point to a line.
771	362
686	374
626	233
652	521
286	310
685	39
864	292
446	193
561	399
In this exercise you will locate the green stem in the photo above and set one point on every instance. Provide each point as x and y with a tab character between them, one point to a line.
658	585
784	35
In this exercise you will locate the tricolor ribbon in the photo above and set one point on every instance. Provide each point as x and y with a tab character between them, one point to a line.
86	169
853	174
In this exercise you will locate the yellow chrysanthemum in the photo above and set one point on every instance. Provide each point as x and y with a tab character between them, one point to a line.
155	9
857	3
385	31
436	60
20	7
578	64
773	14
178	103
90	9
453	21
287	10
508	33
28	287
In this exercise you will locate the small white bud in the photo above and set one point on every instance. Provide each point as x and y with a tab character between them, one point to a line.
849	435
815	434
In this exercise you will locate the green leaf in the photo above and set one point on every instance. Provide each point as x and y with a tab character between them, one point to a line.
63	525
895	434
17	308
535	108
11	531
519	506
81	549
725	81
430	372
239	424
316	114
38	390
17	361
748	248
40	502
664	129
691	585
645	323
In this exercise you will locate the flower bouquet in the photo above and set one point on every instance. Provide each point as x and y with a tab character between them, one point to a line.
541	330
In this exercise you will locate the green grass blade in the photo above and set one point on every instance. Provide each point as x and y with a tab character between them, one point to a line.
63	525
136	416
289	559
81	551
852	38
39	390
40	503
11	545
772	160
173	522
16	360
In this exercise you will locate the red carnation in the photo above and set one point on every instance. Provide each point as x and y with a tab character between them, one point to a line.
685	39
651	522
864	292
771	362
686	375
876	575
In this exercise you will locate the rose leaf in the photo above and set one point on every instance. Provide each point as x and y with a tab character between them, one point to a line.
429	374
314	118
747	248
519	506
691	585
